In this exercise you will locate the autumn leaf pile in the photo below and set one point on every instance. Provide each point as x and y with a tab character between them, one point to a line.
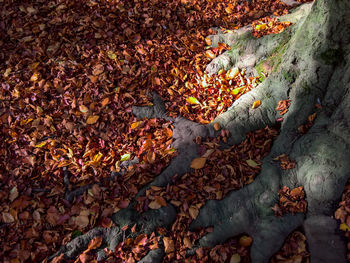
70	73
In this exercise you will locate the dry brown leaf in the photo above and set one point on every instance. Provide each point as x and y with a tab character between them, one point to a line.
193	212
198	163
154	205
168	245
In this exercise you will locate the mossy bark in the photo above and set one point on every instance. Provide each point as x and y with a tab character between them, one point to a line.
311	64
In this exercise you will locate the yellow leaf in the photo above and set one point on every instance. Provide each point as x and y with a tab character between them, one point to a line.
111	54
193	212
344	227
41	144
125	157
256	104
252	163
7	72
34	77
92	119
83	108
235	91
192	100
261	27
97	157
134	125
198	163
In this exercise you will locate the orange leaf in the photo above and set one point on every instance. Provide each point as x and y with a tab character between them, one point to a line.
256	104
210	54
134	125
217	126
95	242
208	41
160	200
92	119
245	241
104	102
198	163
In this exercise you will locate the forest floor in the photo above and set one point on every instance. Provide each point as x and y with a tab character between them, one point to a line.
70	73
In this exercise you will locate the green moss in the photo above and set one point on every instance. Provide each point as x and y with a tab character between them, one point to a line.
260	70
290	76
306	88
332	56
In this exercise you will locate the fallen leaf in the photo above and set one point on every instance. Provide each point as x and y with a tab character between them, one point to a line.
82	221
256	104
154	205
198	163
83	108
134	125
261	27
98	69
344	227
160	200
104	102
111	54
168	245
95	243
13	194
92	119
193	212
7	218
125	157
192	100
245	241
217	126
235	258
187	242
252	163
